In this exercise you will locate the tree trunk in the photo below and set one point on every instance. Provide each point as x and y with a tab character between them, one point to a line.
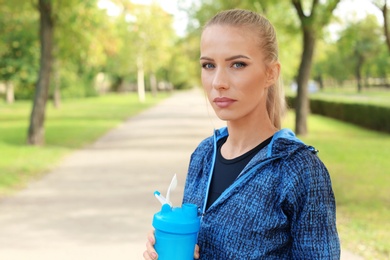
36	131
302	100
57	82
386	25
358	74
310	24
153	85
140	80
320	82
10	95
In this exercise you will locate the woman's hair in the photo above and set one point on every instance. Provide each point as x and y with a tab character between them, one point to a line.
261	26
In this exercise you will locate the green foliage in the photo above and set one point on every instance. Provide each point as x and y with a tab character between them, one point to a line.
184	68
19	50
360	48
143	34
86	42
78	49
79	122
82	38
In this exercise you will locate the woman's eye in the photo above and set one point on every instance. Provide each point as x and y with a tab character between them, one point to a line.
239	65
208	66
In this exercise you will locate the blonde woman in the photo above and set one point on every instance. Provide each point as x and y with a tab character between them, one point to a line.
262	193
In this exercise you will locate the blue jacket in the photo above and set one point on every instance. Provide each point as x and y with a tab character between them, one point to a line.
281	206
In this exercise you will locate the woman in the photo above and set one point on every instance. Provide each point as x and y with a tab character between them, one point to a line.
263	194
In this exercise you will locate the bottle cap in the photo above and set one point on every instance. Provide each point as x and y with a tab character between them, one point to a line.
182	220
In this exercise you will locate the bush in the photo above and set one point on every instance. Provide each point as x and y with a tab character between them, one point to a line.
370	116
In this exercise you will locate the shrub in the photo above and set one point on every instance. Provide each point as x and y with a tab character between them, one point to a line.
370	116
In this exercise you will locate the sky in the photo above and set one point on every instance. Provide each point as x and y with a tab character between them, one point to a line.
357	9
346	10
170	6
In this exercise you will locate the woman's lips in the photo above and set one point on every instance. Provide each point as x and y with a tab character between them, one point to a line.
223	102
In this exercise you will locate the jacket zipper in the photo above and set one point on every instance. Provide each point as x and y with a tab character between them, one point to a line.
210	174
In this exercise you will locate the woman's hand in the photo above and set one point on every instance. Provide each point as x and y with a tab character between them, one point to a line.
196	252
151	254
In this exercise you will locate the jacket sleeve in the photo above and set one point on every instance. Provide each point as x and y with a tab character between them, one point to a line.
310	206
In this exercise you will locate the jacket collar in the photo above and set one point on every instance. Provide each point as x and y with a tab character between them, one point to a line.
286	134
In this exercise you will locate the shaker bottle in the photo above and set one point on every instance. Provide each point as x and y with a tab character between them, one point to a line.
176	231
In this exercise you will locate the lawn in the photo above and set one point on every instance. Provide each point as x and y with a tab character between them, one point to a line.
359	163
77	123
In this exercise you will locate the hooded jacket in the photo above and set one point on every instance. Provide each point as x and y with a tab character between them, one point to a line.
281	206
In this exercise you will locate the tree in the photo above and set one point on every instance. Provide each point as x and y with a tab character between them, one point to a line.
76	22
143	47
360	42
332	64
36	131
311	25
76	65
19	50
153	39
382	5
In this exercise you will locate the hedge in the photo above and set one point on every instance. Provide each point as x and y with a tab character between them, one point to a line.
370	116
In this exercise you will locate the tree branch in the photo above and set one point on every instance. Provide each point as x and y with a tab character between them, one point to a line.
327	14
386	31
333	5
298	6
313	8
34	4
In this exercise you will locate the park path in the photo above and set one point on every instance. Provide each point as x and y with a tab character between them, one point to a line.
98	203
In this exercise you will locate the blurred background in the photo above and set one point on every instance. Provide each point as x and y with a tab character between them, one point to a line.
106	60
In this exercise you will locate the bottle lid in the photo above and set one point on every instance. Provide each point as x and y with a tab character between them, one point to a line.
182	220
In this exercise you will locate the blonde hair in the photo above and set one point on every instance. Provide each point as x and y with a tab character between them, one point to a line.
262	27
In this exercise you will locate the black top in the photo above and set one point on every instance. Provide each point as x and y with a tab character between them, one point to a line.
226	171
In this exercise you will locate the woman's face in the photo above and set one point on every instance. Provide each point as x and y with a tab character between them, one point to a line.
234	74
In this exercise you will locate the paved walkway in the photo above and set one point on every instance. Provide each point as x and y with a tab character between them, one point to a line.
98	203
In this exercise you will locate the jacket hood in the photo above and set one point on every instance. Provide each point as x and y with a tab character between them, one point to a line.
283	142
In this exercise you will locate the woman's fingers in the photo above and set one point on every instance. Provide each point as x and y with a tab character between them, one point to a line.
151	239
150	253
196	252
147	256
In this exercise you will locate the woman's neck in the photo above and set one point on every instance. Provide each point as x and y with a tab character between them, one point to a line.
244	137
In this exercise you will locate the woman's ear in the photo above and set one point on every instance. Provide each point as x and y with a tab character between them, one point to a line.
273	72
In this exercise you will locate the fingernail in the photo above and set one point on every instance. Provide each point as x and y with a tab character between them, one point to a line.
154	255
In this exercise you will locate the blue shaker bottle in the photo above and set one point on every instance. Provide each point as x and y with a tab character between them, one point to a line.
176	231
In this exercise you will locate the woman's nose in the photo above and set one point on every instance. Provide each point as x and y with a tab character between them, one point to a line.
220	80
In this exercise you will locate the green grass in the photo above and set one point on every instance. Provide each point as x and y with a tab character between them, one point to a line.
78	122
359	163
